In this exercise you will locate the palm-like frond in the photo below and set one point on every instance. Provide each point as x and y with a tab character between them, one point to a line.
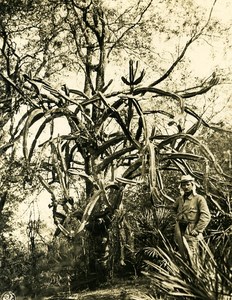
176	277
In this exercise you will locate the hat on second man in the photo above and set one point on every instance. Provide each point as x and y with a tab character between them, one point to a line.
186	178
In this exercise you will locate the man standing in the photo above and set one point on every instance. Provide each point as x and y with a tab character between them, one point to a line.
192	217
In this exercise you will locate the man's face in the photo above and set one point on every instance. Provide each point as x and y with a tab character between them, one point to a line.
187	186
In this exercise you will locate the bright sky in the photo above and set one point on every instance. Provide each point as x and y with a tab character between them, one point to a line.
203	54
222	9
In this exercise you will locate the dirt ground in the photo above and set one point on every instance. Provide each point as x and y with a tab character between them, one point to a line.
132	290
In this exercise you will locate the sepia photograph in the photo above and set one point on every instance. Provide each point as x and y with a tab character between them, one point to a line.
115	149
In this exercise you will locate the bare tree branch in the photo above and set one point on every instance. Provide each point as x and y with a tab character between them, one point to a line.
179	58
129	29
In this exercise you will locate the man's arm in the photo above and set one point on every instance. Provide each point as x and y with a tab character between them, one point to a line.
204	217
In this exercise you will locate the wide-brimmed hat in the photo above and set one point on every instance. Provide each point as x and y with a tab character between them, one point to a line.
186	178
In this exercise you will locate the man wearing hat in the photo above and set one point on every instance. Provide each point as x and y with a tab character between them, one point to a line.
192	217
